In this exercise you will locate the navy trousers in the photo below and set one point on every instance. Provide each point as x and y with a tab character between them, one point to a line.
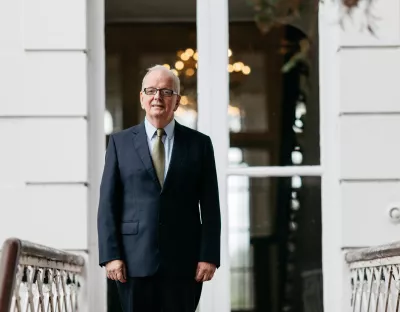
159	294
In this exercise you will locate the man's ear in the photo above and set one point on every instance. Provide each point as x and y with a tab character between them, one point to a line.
141	99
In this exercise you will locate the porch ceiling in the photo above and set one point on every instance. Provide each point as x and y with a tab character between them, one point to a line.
167	11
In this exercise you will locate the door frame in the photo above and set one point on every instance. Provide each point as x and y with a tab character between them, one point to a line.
212	44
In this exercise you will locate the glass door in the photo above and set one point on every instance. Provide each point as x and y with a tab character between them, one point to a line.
273	183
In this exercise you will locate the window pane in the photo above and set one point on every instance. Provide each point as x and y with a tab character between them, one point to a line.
248	101
113	116
274	95
244	157
242	298
239	242
275	243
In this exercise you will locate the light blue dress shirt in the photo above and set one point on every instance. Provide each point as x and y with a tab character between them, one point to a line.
168	140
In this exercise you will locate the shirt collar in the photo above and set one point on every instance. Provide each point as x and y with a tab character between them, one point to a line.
151	130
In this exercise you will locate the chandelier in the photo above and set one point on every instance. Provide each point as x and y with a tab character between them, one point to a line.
185	66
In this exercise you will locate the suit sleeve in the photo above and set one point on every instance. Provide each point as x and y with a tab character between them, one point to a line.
109	208
210	208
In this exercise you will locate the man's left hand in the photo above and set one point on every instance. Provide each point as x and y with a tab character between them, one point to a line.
205	271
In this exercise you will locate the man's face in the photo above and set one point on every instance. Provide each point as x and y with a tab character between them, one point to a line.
158	106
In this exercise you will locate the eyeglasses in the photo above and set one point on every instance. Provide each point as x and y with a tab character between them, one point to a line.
163	91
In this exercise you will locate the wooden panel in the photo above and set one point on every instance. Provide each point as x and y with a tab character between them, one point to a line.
366	220
370	147
51	215
369	80
51	24
385	15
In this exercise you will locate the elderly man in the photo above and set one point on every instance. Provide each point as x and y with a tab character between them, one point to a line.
159	221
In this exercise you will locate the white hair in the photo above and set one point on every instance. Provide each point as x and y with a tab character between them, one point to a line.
175	78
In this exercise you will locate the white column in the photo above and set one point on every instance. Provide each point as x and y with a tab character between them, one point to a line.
213	98
334	280
97	286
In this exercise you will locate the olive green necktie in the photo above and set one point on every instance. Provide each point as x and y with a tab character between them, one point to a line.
158	156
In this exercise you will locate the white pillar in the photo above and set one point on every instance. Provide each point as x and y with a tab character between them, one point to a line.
97	286
334	283
213	98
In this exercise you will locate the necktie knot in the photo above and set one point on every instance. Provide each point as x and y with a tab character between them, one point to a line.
160	132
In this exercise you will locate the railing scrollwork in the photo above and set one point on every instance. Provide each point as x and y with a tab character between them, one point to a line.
375	278
37	278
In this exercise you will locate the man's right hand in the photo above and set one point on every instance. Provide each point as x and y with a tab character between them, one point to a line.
116	270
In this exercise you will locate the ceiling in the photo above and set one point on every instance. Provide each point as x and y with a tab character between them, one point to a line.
167	10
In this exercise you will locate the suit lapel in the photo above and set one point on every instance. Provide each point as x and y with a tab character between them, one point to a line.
177	157
142	148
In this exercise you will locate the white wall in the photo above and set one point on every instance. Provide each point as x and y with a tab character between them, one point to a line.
360	127
43	122
51	126
369	124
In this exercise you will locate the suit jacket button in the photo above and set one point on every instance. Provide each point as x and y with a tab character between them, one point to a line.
160	223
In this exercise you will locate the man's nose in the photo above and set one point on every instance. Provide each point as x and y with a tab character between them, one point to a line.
157	95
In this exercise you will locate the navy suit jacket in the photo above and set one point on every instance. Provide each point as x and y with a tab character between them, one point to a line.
150	228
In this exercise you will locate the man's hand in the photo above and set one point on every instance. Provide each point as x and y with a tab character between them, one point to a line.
205	271
116	270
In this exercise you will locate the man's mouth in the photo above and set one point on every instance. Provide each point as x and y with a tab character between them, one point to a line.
157	105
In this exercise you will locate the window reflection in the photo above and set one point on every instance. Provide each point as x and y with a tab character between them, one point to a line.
114	110
108	123
279	98
186	116
239	236
274	242
234	119
248	92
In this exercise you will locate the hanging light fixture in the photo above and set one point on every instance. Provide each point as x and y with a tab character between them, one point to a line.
186	64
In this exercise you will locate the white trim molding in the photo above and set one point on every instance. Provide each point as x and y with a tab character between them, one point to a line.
213	99
334	268
276	171
97	298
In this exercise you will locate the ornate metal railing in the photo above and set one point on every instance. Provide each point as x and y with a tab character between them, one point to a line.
375	278
37	278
